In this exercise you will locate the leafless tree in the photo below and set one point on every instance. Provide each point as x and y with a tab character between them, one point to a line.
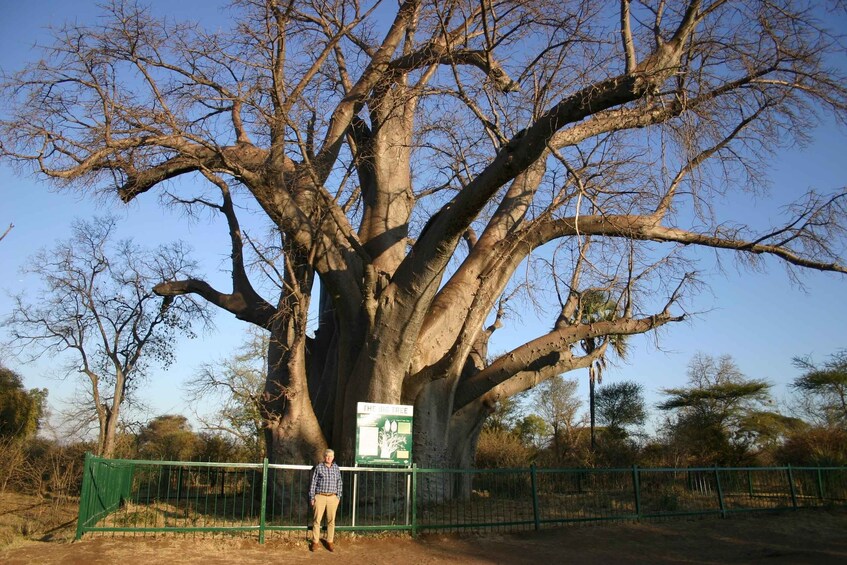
556	402
426	162
97	302
237	382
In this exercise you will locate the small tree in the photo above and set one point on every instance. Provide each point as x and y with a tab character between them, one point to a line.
556	402
168	437
620	405
20	416
823	388
596	305
500	448
709	416
505	415
238	382
533	430
97	302
817	446
768	431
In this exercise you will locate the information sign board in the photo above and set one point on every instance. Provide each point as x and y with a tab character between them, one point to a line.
383	434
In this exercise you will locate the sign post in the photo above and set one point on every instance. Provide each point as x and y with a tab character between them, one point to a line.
383	437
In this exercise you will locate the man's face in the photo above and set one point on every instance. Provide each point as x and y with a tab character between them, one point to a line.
328	458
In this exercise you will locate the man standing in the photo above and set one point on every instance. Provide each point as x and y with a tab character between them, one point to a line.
324	495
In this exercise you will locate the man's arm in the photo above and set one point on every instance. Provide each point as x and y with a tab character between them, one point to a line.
313	485
340	484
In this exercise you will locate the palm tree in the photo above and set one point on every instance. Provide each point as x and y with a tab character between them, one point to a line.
595	306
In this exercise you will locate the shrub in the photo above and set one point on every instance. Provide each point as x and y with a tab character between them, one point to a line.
816	447
502	449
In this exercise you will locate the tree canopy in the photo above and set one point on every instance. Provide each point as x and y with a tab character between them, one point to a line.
826	385
21	410
721	412
429	164
620	405
167	437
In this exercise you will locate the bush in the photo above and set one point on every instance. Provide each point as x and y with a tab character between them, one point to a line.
815	447
12	459
42	468
614	451
499	449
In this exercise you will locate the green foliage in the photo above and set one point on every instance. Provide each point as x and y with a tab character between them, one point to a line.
20	410
596	305
223	448
825	387
505	414
620	405
720	399
533	430
169	438
768	430
710	419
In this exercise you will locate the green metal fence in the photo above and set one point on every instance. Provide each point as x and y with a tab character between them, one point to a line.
193	498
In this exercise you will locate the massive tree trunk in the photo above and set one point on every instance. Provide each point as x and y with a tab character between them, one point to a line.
293	434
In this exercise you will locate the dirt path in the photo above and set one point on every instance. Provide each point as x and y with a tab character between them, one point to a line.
790	537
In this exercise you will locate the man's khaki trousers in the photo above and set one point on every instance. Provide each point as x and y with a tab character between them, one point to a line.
324	503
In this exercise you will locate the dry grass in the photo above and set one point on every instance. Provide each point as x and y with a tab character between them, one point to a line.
27	518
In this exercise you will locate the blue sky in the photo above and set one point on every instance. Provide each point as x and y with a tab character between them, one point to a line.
759	318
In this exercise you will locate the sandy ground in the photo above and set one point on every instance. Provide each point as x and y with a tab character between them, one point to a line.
808	536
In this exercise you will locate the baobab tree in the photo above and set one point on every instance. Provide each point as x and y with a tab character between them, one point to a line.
428	162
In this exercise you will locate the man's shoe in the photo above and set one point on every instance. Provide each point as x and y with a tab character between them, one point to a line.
330	546
312	546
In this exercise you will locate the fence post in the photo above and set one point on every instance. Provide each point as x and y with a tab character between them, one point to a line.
84	495
414	501
750	482
533	480
636	484
355	497
820	484
264	500
791	486
720	492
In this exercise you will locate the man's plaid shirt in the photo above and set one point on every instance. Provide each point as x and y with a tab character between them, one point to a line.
325	480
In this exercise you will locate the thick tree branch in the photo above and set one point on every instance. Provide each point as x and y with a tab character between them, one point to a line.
441	54
234	303
548	350
646	228
626	36
375	71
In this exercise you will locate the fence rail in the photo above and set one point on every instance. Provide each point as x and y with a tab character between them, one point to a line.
196	498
